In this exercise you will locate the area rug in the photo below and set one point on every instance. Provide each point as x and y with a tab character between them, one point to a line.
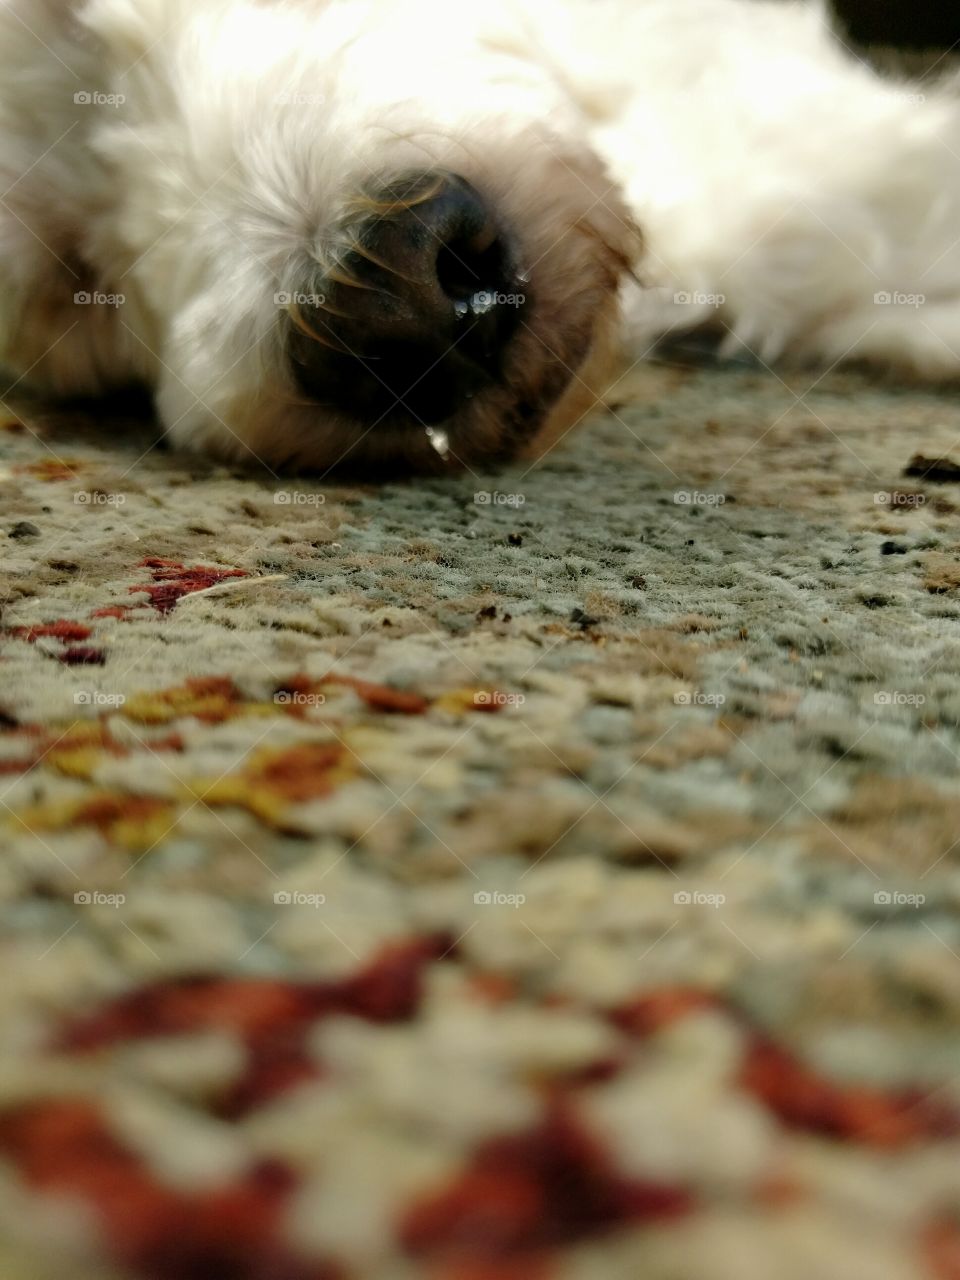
548	875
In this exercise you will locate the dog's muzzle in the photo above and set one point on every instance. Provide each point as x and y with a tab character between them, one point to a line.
415	314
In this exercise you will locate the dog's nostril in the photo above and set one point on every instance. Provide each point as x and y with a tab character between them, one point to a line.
468	266
412	323
438	243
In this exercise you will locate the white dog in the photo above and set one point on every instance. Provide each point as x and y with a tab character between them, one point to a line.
389	231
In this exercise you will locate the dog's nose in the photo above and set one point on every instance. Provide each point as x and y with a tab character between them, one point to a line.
416	317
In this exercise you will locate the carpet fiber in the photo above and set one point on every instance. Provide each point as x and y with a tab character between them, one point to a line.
544	875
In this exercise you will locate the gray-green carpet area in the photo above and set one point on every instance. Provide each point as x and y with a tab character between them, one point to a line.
553	873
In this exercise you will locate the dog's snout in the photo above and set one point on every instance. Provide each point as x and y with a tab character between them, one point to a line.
417	314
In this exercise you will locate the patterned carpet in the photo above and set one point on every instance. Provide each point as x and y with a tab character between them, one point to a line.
543	876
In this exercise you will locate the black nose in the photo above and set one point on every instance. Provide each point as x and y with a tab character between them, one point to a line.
416	316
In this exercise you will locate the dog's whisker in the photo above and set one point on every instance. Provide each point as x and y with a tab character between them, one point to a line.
321	304
296	317
362	251
398	204
336	275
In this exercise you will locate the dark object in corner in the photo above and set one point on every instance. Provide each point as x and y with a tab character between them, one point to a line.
907	24
936	470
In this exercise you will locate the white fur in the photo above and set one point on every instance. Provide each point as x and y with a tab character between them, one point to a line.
779	186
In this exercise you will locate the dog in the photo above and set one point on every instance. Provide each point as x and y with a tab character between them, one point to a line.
415	234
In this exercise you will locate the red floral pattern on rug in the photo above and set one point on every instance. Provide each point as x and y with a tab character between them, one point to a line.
402	885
